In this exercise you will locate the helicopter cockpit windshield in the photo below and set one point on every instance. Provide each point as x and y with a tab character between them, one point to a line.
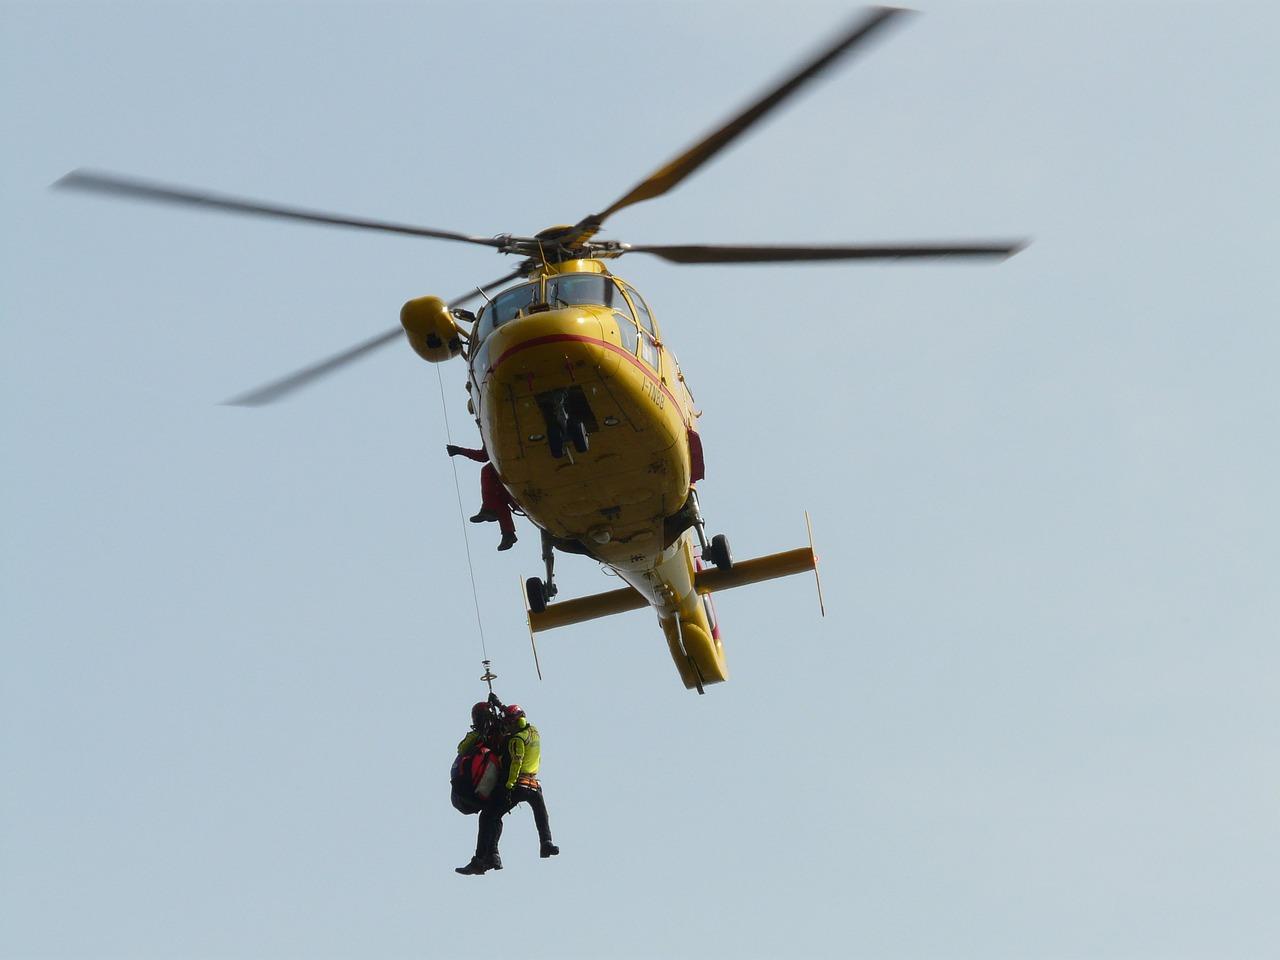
568	290
506	306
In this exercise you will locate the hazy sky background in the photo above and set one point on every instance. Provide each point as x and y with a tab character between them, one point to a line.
1041	716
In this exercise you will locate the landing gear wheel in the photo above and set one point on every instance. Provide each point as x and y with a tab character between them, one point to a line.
534	590
578	434
718	552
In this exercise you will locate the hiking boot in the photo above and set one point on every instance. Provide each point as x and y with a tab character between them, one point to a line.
476	867
495	862
508	541
484	516
549	850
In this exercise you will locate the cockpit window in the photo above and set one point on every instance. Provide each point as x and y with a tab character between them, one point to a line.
584	288
642	312
511	304
567	290
626	332
506	306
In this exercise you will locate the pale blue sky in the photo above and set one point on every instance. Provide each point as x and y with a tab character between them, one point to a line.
1040	719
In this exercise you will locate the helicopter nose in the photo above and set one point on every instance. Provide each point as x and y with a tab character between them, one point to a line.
552	346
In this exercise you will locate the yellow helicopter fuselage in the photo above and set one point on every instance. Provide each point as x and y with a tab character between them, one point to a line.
585	415
576	338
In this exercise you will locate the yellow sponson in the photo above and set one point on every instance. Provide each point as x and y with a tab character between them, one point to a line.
433	333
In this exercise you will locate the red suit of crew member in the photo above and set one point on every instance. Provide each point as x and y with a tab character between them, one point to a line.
495	502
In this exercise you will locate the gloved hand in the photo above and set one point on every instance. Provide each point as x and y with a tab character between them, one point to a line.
452	450
493	699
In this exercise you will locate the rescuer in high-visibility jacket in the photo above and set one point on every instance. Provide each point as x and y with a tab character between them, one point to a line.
522	756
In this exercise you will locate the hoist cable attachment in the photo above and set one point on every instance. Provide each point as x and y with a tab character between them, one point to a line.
489	676
462	518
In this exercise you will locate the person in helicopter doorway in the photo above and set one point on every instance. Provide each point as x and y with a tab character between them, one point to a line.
495	502
522	755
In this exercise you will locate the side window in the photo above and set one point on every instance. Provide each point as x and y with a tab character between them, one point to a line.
642	313
627	331
648	350
619	302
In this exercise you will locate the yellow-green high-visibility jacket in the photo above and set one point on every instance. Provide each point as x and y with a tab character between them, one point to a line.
524	752
469	741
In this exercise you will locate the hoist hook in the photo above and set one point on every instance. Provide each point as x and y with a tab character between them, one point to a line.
489	676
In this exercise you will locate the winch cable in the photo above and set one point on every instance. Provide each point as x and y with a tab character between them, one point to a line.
462	519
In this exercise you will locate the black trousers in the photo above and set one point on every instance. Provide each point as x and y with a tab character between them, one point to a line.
499	806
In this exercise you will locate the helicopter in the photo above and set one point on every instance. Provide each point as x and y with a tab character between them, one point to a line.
581	404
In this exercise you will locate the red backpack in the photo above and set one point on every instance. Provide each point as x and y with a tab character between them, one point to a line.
472	778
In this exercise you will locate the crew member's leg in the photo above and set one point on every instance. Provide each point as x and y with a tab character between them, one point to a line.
488	833
523	793
495	504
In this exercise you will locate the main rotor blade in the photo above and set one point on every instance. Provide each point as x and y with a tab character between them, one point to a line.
667	177
277	389
114	185
716	253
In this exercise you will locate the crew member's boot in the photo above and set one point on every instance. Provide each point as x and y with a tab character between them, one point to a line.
484	516
549	849
477	866
508	541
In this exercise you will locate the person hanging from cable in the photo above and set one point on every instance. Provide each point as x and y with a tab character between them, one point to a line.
477	769
495	501
522	752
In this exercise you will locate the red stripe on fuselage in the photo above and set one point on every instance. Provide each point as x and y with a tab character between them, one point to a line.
578	338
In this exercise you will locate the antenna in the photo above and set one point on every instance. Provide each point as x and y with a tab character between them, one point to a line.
528	619
822	607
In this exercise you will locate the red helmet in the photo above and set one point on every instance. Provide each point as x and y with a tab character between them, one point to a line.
480	715
514	711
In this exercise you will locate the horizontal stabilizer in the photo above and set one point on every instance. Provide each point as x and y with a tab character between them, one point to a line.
746	572
587	608
743	573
